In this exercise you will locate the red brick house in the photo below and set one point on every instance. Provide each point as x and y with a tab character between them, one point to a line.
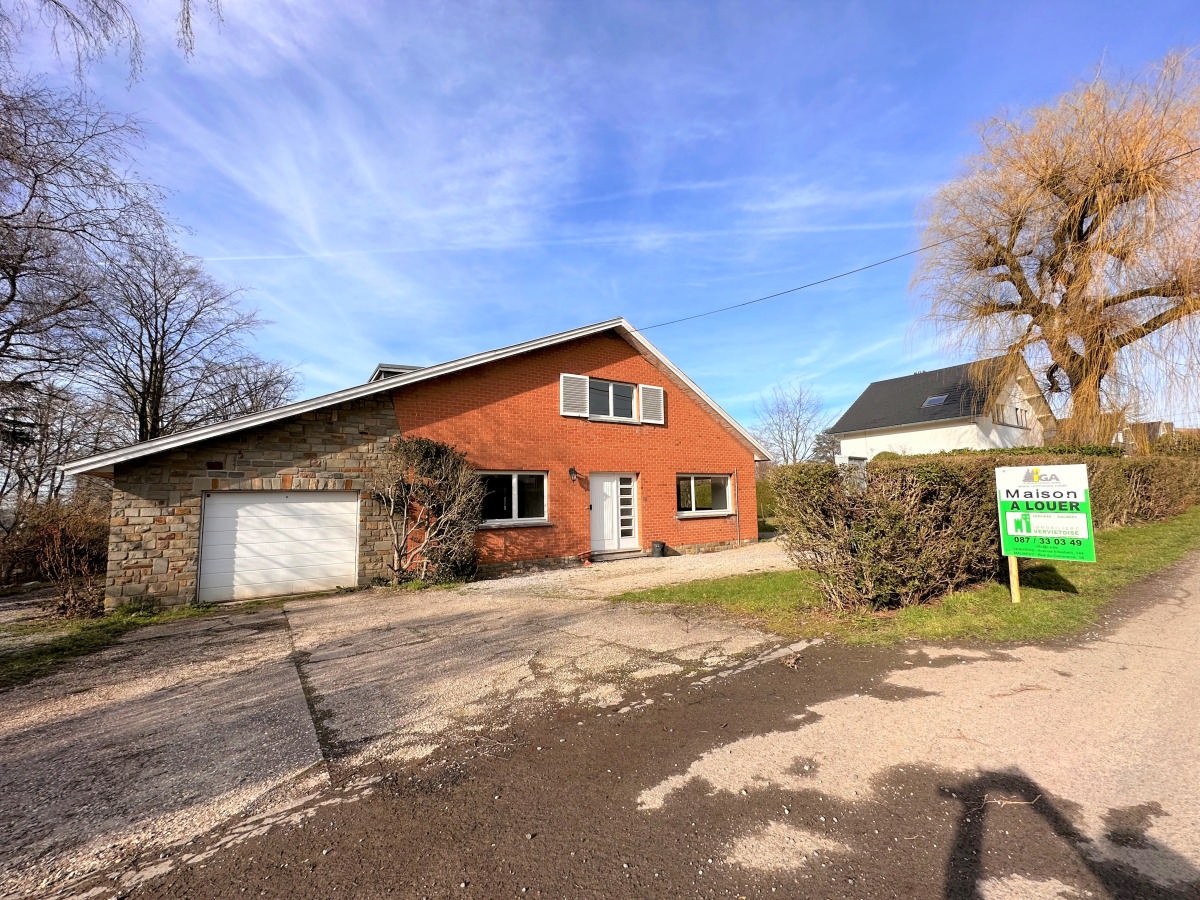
590	442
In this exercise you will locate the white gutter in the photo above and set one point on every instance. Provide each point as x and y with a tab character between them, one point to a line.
102	463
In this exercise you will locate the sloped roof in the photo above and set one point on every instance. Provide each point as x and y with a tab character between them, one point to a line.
902	401
388	370
102	463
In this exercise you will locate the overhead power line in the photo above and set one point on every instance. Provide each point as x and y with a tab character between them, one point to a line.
882	262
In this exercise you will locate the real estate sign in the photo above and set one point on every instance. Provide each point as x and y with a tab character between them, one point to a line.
1045	512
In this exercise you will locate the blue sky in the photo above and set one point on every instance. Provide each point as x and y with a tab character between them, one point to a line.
414	182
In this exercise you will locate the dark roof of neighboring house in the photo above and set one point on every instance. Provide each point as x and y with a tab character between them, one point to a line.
901	401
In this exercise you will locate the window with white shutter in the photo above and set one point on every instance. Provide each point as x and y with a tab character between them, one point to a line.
573	395
611	401
653	406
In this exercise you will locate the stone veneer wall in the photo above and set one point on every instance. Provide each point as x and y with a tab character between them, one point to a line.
154	541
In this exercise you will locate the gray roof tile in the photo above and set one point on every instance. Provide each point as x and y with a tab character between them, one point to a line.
899	401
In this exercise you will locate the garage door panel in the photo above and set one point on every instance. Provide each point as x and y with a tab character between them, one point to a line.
302	511
276	589
278	536
272	543
247	568
330	576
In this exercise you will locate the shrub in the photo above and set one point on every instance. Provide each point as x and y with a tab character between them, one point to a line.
1051	450
69	545
893	535
1177	443
765	497
432	498
910	530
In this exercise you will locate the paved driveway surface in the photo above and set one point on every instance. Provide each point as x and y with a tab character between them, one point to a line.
181	727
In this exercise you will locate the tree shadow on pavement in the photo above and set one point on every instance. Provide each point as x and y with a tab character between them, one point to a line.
1127	828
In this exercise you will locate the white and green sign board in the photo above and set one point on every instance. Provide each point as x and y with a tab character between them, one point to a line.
1045	512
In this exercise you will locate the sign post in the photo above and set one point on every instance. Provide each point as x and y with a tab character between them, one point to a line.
1045	513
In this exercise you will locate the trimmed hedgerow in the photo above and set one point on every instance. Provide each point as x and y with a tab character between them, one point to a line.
901	532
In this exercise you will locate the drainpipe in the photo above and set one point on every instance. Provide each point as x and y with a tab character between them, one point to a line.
737	508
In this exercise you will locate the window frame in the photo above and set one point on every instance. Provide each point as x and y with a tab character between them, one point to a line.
515	521
635	402
694	513
648	404
1020	416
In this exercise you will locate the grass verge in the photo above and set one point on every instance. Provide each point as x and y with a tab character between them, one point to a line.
1058	598
66	640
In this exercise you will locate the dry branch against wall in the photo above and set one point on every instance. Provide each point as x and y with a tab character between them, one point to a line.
1073	238
433	499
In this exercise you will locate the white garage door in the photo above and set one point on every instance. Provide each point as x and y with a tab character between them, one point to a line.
266	544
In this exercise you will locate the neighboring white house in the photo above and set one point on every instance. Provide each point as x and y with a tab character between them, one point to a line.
944	409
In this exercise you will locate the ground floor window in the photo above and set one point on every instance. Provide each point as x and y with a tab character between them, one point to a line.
701	494
513	497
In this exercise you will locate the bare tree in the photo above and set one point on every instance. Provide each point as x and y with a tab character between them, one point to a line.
40	429
433	500
1074	238
790	422
826	448
67	203
167	346
90	29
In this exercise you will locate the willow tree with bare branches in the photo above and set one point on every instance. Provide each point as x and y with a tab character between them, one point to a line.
90	29
1073	239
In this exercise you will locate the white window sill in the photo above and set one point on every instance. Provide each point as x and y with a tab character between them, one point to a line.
514	523
616	419
705	514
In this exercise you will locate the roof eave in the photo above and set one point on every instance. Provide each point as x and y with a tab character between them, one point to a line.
103	463
953	419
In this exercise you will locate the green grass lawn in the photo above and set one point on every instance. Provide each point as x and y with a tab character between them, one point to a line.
1058	598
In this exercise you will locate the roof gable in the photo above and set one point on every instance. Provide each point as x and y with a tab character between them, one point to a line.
914	399
102	463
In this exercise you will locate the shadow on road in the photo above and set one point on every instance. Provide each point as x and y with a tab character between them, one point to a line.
1127	828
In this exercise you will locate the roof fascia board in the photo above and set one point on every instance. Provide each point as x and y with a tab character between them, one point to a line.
909	426
638	338
183	438
103	462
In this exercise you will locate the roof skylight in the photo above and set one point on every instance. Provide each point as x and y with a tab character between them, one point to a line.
935	400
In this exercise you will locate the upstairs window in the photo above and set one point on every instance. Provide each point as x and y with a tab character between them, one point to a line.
610	399
1014	416
619	401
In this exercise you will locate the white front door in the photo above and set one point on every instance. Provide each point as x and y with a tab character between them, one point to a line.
614	512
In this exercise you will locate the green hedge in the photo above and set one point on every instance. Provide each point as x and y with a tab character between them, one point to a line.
764	496
899	532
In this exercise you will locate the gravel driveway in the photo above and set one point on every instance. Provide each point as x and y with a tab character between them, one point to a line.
1065	771
181	727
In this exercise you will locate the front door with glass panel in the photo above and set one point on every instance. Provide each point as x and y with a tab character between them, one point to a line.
614	513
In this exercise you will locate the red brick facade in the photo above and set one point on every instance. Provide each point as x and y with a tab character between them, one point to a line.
505	415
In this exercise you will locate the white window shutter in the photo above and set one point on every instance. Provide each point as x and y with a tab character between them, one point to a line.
573	395
653	402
